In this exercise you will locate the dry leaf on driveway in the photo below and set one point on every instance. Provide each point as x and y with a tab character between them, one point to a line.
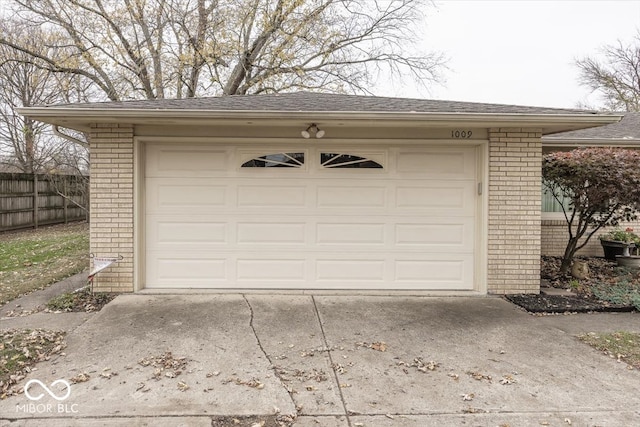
479	376
166	365
377	346
80	378
507	379
253	383
106	373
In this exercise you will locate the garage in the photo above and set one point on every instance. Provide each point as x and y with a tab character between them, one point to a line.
319	192
314	217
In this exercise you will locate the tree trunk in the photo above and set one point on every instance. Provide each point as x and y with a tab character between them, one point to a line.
569	253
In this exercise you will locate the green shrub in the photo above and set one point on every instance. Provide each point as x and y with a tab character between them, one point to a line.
620	293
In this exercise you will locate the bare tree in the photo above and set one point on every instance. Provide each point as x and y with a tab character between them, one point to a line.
616	77
24	84
131	49
70	177
30	146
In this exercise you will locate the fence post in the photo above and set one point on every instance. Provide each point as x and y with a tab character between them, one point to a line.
64	199
35	200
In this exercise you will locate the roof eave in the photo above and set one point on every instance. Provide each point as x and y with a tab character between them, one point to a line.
81	118
591	142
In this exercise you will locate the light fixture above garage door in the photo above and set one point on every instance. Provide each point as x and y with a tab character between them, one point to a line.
313	128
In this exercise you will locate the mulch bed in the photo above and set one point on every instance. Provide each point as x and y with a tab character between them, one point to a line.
582	298
564	304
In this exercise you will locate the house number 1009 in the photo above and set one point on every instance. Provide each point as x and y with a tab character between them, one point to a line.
461	134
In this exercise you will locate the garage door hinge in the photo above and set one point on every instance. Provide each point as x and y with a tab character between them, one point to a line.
479	189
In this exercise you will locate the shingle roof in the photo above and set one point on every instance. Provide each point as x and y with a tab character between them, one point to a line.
626	129
325	102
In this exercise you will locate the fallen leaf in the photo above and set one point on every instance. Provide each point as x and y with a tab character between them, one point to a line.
80	378
479	376
108	375
379	346
423	366
507	379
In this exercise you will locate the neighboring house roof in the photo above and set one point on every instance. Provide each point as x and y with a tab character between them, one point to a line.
626	132
317	106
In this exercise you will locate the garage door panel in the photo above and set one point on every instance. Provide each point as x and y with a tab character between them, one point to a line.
456	200
346	270
190	270
354	233
447	234
165	195
165	161
272	196
450	163
271	269
271	233
351	196
171	234
439	272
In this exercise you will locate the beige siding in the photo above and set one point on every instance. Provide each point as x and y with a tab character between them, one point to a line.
515	161
112	204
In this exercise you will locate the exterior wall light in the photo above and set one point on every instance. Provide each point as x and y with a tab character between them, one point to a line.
313	128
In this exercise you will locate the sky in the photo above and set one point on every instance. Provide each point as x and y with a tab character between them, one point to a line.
519	52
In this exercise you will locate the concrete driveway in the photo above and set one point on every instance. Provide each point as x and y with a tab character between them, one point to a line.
329	361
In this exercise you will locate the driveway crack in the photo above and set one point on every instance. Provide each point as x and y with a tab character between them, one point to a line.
272	366
333	365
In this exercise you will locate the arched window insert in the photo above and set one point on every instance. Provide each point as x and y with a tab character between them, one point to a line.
278	160
336	160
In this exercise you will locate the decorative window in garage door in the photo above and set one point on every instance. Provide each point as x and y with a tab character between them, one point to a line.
277	160
337	160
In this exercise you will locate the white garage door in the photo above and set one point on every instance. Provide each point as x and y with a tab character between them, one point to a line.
310	218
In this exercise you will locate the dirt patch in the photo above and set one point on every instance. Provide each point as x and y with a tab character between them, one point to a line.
82	300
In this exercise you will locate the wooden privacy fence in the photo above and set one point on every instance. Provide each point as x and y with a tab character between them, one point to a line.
31	200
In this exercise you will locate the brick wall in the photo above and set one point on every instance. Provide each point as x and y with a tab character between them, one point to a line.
555	237
515	168
112	204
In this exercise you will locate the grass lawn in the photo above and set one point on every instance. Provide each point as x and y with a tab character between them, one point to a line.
33	259
623	346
